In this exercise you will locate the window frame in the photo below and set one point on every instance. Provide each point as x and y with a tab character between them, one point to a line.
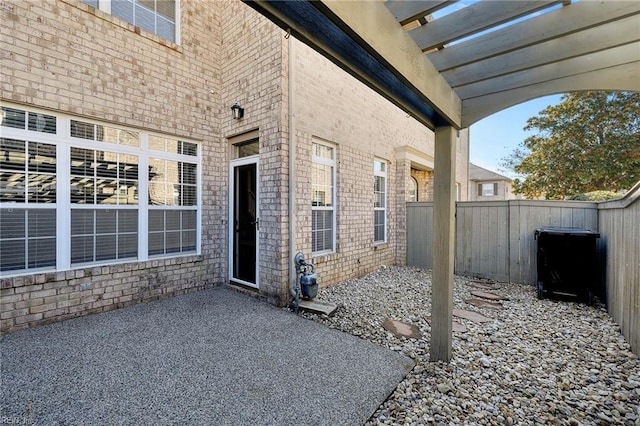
334	195
384	175
481	189
105	6
64	206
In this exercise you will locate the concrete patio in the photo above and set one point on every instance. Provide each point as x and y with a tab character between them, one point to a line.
210	357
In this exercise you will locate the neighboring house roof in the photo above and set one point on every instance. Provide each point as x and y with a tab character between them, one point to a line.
478	173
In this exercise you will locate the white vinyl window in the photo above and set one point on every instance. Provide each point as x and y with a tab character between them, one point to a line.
487	189
323	220
156	16
379	201
70	193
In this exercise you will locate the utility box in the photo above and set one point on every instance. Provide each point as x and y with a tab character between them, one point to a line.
568	263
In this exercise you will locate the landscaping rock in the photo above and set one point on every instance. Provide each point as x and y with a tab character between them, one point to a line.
536	362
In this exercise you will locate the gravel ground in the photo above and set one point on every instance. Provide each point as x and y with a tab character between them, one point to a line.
538	362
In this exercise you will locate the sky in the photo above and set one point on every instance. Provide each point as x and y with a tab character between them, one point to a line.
498	135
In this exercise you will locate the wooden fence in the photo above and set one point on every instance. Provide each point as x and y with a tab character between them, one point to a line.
620	237
495	239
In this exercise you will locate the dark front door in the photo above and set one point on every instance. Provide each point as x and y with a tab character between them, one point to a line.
245	222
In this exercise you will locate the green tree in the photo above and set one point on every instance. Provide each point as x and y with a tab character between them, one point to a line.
589	142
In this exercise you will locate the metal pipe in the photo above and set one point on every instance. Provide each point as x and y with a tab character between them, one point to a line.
292	168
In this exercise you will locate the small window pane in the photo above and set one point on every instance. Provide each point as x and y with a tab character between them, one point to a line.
189	148
165	29
12	255
129	138
189	173
83	130
107	191
188	220
127	246
173	242
156	220
248	149
42	158
42	123
173	220
82	249
82	222
14	118
166	8
82	190
105	221
12	187
145	18
105	247
107	167
322	151
157	143
42	223
12	154
123	9
12	223
128	221
189	240
42	188
189	196
42	252
156	243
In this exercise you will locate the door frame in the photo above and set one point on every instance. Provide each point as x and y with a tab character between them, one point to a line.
254	159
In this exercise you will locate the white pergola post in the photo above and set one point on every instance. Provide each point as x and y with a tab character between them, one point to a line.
443	243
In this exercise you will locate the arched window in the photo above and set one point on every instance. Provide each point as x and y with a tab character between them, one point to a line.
413	189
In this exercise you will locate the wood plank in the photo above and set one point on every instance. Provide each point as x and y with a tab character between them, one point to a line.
475	18
583	64
443	244
558	23
619	78
577	44
406	11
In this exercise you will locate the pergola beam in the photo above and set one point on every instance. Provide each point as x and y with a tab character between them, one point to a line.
619	78
477	17
586	42
610	58
558	23
407	11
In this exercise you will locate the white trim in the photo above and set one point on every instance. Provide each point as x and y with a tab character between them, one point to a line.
382	174
64	142
254	159
334	194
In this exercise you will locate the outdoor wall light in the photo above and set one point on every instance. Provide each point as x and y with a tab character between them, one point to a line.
237	112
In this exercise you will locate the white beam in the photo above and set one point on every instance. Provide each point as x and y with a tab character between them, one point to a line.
406	11
571	67
619	78
376	26
473	19
554	24
443	244
577	44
